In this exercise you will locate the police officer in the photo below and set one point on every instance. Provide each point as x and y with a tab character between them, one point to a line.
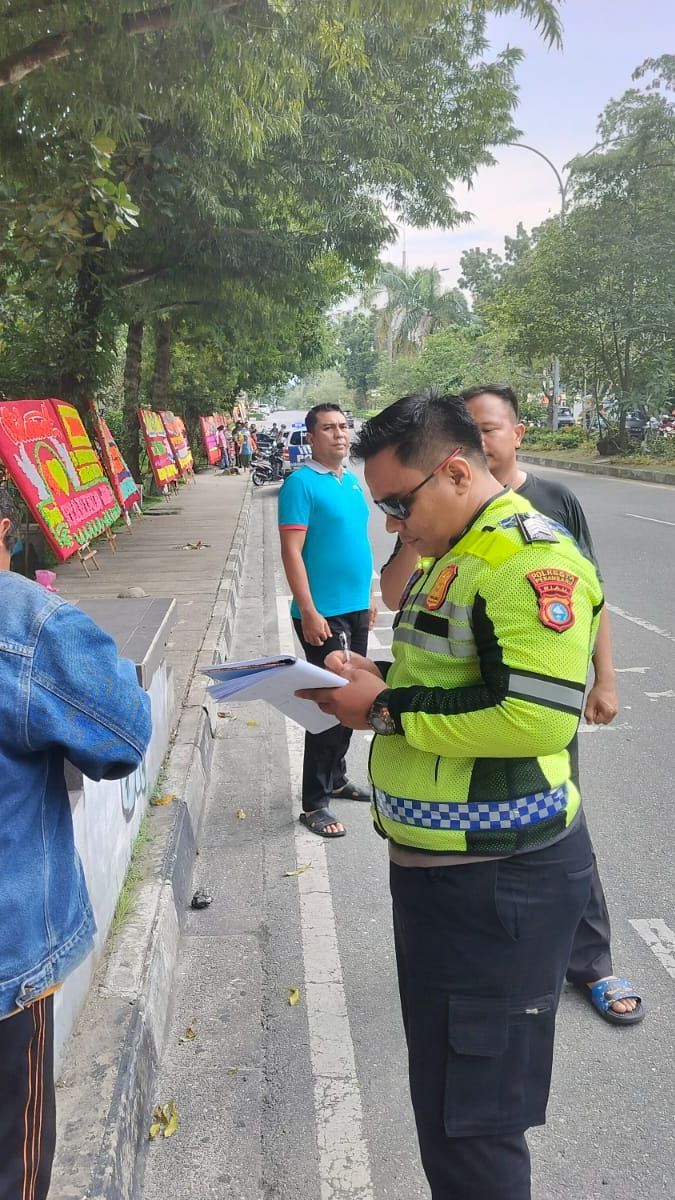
490	863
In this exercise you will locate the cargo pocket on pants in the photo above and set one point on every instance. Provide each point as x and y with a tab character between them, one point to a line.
498	1066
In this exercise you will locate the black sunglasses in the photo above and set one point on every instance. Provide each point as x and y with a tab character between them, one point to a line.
400	509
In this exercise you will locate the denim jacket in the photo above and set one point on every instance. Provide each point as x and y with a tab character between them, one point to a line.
64	693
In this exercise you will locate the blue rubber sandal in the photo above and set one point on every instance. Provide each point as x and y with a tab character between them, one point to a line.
606	992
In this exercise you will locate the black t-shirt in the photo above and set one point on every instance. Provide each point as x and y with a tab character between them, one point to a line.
556	501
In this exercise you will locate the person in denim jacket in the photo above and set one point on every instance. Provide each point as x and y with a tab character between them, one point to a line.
64	694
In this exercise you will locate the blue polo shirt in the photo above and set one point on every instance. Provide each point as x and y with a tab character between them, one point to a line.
336	552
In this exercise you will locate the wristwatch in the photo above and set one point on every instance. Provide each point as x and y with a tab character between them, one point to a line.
379	718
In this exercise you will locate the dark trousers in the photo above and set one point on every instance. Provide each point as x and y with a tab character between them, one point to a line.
27	1106
324	768
591	956
481	950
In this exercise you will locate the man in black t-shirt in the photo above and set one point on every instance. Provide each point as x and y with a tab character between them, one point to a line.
495	410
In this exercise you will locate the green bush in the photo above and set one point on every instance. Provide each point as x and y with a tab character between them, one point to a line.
559	439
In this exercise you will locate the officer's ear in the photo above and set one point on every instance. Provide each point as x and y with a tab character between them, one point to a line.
460	471
519	430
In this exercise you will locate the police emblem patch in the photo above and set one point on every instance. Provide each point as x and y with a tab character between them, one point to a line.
440	588
554	589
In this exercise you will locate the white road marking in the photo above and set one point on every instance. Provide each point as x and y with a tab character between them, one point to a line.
656	696
660	939
639	517
344	1165
631	670
619	612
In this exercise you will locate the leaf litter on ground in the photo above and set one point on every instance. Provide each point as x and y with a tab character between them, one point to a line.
165	1120
297	870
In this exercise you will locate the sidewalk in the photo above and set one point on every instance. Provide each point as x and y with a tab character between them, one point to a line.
605	466
156	557
105	1088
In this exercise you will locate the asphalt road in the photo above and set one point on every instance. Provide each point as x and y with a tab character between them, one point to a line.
311	1100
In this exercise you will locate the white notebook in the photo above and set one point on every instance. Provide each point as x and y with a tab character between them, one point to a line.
276	680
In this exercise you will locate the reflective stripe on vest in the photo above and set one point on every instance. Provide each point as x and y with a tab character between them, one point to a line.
476	815
461	644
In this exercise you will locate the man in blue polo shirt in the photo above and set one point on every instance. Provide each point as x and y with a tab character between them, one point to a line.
323	525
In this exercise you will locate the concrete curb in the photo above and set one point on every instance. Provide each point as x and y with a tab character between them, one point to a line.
133	996
642	474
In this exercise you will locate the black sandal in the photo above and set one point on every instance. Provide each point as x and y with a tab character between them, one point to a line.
318	822
351	791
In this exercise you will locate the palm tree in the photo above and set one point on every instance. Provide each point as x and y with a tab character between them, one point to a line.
415	307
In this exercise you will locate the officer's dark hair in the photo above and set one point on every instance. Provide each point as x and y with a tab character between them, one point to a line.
8	512
502	390
419	427
313	414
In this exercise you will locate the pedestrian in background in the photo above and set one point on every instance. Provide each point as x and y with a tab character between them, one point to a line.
224	463
323	525
64	693
490	863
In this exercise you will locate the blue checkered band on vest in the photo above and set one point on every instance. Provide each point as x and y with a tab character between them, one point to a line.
474	816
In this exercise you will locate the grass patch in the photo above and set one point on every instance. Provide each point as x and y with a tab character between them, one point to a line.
132	879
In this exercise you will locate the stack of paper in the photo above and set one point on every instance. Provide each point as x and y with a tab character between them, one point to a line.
276	680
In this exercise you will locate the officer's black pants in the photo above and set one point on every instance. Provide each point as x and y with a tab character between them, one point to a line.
324	767
482	950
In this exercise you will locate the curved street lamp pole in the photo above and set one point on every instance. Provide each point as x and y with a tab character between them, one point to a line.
563	185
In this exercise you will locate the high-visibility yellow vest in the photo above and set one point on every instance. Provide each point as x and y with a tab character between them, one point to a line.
491	652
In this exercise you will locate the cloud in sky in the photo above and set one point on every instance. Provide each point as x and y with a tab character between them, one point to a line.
561	96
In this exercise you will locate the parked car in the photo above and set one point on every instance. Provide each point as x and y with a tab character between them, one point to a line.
296	449
565	417
636	424
350	417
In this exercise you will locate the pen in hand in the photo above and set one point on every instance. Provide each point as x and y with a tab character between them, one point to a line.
345	646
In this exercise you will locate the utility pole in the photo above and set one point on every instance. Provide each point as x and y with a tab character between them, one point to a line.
556	392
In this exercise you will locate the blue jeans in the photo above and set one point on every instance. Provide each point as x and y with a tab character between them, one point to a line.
482	950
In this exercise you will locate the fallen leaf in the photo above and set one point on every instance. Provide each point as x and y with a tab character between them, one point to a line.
298	870
252	722
293	996
241	814
190	1033
232	1070
157	801
165	1120
227	716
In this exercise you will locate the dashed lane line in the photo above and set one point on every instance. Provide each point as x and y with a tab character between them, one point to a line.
655	520
344	1165
620	612
660	939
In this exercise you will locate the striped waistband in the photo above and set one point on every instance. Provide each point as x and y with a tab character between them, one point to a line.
475	815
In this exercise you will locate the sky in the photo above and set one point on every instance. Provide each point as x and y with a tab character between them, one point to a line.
562	92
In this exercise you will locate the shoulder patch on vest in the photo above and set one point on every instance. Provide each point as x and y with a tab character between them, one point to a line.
554	589
535	528
441	587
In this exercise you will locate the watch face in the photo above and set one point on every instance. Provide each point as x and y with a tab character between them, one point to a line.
379	723
380	719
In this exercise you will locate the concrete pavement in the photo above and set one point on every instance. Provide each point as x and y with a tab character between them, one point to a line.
157	557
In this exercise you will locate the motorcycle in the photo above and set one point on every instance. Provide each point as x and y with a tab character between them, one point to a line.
266	468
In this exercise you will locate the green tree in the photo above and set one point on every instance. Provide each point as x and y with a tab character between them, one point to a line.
359	357
598	289
416	305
